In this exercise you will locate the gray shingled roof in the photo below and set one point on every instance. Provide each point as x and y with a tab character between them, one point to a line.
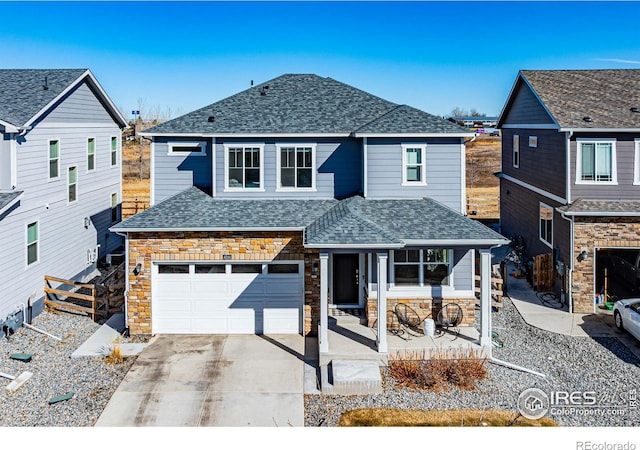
602	208
295	103
354	222
193	209
7	198
22	92
606	96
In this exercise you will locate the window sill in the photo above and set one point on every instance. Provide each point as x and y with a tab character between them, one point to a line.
413	183
242	190
194	153
296	190
597	183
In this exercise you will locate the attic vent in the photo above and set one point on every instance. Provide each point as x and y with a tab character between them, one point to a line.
635	109
211	118
45	86
587	119
263	90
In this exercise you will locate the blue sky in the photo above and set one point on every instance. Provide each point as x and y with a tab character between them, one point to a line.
174	57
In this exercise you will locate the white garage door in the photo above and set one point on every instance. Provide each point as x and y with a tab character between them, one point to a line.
239	298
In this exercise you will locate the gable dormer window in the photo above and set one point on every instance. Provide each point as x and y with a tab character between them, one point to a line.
596	161
243	167
413	164
296	166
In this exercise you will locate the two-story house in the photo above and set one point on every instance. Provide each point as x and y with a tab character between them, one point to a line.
60	171
295	195
571	171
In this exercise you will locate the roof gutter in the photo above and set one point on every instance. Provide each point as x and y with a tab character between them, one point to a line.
600	213
119	230
601	130
360	246
416	135
245	135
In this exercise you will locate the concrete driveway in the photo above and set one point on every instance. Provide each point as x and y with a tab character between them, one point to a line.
237	380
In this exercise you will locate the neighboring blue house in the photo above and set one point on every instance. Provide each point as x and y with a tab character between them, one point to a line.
299	194
60	172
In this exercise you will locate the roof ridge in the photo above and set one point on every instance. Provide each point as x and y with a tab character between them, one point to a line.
383	231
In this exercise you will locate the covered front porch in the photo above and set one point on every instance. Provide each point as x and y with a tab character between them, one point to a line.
370	335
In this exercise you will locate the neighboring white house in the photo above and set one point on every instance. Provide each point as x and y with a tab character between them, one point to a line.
60	180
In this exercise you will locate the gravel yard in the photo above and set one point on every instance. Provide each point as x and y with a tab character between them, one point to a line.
56	373
603	365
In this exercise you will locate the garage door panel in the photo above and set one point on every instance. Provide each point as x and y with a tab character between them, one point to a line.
283	286
227	302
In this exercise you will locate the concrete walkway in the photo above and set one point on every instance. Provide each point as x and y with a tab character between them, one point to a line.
238	380
560	321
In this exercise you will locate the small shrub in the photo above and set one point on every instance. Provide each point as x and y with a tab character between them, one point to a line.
115	355
441	369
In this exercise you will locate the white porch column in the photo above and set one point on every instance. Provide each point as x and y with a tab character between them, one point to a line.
485	298
382	302
323	335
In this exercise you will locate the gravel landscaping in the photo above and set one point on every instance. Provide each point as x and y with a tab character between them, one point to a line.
55	373
602	365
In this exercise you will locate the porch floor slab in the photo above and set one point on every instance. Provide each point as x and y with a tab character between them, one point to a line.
356	377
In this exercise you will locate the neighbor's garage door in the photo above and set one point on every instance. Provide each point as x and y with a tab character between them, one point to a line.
248	298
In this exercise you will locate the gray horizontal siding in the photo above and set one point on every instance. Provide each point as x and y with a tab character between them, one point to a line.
526	108
175	173
463	269
543	166
79	105
338	169
443	171
64	242
625	158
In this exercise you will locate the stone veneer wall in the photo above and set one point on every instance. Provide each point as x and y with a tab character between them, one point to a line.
146	248
423	306
592	232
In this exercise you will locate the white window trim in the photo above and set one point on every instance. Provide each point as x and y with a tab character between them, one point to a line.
49	141
280	188
26	245
636	163
614	162
95	153
544	205
227	146
111	207
423	165
199	148
421	287
111	151
515	151
76	184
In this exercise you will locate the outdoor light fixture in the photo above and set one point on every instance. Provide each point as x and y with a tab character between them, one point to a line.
137	269
583	255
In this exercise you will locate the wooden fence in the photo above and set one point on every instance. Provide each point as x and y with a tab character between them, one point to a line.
498	284
543	272
99	300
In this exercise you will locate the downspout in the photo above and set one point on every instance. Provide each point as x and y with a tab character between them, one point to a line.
570	268
126	278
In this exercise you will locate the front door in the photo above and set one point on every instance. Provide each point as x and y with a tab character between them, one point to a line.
345	278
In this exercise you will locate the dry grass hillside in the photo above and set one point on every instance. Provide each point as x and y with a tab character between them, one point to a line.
483	187
483	191
135	177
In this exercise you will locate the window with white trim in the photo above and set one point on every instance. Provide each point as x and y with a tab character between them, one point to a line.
114	151
91	154
54	159
636	163
516	151
413	164
296	165
596	162
422	267
546	224
243	167
72	183
187	148
32	243
114	207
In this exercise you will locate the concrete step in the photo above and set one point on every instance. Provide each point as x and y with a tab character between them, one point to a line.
345	316
351	377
